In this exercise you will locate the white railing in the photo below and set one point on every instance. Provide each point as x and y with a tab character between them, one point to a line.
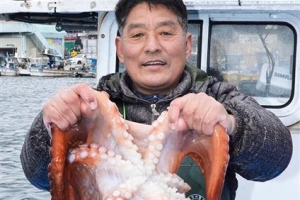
73	6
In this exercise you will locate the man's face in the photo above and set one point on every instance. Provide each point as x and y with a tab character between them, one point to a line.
153	48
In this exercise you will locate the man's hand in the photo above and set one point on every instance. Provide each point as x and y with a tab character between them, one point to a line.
201	113
65	108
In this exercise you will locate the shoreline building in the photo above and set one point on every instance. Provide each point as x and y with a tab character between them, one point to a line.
24	40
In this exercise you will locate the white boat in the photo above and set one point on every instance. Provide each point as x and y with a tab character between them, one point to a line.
44	72
49	72
40	67
9	72
24	66
78	70
10	68
24	72
84	74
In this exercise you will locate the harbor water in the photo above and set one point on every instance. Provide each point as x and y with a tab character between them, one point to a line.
21	99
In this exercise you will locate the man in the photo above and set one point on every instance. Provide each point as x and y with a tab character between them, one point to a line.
154	45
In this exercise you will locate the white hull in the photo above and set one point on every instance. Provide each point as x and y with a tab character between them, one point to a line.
49	73
24	72
9	72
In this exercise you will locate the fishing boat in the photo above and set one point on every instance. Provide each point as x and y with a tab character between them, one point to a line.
84	74
36	71
41	67
42	71
9	72
9	67
24	66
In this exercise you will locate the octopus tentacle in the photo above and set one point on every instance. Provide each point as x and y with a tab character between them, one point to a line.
211	153
106	157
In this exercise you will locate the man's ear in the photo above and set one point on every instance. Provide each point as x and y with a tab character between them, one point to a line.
118	43
188	45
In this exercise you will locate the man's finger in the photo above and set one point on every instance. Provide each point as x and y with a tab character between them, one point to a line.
86	92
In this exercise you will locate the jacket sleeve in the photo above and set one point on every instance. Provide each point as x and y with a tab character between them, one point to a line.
262	147
35	154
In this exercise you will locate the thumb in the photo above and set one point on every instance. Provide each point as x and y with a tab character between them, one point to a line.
229	125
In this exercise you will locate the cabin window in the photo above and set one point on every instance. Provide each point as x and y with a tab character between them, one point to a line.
257	58
194	28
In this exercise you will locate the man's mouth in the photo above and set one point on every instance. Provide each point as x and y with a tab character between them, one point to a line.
153	63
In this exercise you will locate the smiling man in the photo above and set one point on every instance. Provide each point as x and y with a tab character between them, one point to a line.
154	46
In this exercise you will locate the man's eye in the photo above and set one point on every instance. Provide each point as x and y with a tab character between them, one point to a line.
137	35
166	33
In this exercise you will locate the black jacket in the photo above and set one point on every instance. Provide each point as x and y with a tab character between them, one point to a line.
260	150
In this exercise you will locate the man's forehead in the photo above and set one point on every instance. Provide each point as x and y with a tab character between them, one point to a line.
137	17
135	24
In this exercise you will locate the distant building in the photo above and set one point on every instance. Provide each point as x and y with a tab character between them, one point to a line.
89	43
21	39
82	42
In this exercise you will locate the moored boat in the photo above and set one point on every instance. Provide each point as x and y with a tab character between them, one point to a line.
49	72
24	66
40	67
83	74
9	67
9	72
24	72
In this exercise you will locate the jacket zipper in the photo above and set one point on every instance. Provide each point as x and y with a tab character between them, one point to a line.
155	114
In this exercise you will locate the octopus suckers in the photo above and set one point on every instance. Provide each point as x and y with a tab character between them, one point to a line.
111	153
93	145
160	136
116	193
71	158
159	146
127	195
83	154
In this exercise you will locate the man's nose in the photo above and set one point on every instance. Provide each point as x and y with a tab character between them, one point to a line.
152	44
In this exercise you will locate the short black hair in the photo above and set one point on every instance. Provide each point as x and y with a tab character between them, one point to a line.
124	7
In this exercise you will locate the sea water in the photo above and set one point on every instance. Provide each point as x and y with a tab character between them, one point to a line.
21	99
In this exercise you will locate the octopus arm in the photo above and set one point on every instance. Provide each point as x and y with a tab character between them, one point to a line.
211	153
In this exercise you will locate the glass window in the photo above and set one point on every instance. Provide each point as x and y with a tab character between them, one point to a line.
257	58
195	29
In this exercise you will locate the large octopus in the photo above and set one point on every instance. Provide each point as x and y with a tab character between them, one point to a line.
106	157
